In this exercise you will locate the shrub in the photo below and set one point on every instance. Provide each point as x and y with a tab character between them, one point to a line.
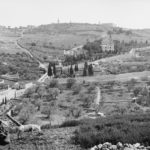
130	84
24	117
133	81
91	88
70	123
144	78
48	110
26	113
29	92
136	91
126	129
75	112
76	88
13	130
70	82
53	83
17	110
86	99
52	94
46	126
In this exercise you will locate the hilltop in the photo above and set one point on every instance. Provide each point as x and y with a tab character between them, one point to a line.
50	40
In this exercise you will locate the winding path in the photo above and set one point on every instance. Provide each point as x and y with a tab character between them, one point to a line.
12	93
98	96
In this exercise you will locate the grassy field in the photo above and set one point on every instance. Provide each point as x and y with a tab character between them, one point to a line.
8	38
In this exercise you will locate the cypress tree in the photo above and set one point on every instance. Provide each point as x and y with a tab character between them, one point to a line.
84	72
86	65
49	70
76	68
5	100
85	69
90	70
54	70
71	70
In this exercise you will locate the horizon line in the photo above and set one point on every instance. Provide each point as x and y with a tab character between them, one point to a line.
99	23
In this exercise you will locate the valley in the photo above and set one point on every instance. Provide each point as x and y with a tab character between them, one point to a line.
69	105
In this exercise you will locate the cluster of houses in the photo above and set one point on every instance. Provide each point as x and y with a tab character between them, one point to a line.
107	45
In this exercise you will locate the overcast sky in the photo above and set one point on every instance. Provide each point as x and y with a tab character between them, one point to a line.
124	13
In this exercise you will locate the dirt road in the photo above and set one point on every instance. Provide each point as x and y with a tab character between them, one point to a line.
12	93
98	96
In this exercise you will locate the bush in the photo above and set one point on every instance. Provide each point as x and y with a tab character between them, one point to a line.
126	129
144	78
70	123
17	110
133	81
53	83
24	117
75	112
136	91
86	99
70	82
52	94
46	126
76	89
91	88
27	111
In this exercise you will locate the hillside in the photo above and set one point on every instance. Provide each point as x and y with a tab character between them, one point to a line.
50	40
46	42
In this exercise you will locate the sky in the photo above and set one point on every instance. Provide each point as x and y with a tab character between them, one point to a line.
123	13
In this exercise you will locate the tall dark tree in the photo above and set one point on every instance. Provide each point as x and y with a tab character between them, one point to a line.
86	65
90	70
50	70
71	70
54	70
76	68
84	72
85	69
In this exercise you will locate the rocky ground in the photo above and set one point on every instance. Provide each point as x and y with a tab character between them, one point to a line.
53	139
120	146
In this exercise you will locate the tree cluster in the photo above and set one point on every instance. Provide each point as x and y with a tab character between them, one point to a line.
21	63
122	46
52	70
88	70
93	47
74	59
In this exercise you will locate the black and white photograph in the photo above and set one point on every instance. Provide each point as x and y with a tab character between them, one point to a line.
74	75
